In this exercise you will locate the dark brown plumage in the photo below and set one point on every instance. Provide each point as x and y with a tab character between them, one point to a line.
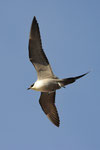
36	53
47	102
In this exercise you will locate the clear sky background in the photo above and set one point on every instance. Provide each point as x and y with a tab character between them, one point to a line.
70	32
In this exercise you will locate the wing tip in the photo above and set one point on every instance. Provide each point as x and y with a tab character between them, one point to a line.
34	22
58	125
54	120
34	19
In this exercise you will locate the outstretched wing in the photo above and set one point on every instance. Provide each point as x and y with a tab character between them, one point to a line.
47	102
36	53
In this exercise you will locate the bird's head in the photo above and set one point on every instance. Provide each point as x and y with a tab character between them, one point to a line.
30	87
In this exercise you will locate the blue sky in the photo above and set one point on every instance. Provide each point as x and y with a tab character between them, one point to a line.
70	31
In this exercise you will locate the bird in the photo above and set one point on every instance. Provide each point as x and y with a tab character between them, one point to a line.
47	83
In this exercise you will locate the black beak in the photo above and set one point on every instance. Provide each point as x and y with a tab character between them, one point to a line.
28	88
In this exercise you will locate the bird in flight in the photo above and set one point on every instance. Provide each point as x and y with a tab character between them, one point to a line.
47	83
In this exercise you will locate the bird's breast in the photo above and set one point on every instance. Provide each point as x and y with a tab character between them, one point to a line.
45	85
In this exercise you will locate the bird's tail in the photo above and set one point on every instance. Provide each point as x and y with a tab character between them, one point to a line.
67	81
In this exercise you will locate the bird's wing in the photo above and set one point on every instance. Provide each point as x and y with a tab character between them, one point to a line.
47	102
36	53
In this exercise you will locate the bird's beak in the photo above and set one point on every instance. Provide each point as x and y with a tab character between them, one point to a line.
28	88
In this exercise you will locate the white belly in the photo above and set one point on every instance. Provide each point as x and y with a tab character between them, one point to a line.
39	84
45	85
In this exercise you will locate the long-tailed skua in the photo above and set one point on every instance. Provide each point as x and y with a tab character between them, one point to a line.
47	83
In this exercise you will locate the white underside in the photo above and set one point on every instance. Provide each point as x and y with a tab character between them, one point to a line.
45	85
